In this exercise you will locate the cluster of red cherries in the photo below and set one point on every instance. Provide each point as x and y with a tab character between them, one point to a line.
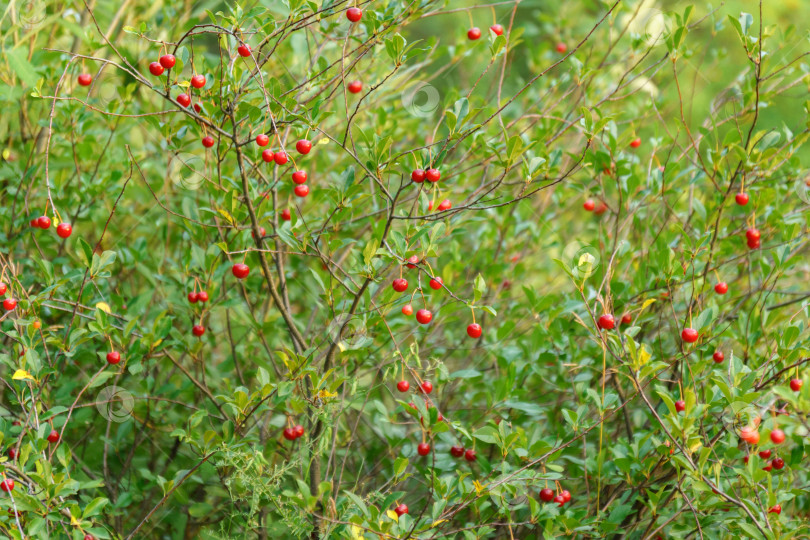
293	432
63	230
562	498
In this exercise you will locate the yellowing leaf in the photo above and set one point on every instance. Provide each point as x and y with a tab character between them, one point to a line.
226	215
21	374
393	515
325	140
437	523
478	487
357	533
104	306
643	356
324	394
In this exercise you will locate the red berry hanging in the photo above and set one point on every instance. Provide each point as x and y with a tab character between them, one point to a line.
156	69
63	230
303	146
424	316
240	270
354	14
113	357
355	87
198	81
474	330
301	191
85	79
299	177
474	33
168	61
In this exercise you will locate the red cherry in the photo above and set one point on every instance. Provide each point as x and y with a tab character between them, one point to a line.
433	175
601	208
795	384
474	330
424	316
243	50
299	177
267	155
427	387
7	485
197	107
280	158
741	198
193	297
85	79
473	33
355	87
184	100
198	81
689	335
546	495
198	330
3	288
627	318
285	215
423	449
561	47
750	435
418	176
262	139
456	451
113	357
413	260
156	69
262	234
745	459
289	434
34	223
403	386
566	495
606	322
444	205
400	285
53	436
303	146
354	15
240	270
718	357
753	243
765	454
436	283
298	430
589	205
301	191
559	500
9	304
469	455
775	509
721	288
63	230
778	463
202	296
407	310
777	436
44	222
402	508
497	28
635	143
208	141
430	205
168	61
680	405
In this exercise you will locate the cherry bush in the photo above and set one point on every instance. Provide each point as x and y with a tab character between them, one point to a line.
404	269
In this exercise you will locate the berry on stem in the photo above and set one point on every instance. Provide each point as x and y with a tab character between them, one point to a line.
721	288
267	155
113	357
433	175
423	449
10	303
469	455
286	215
402	508
184	100
303	146
796	384
474	33
680	405
403	386
354	14
63	230
436	283
424	316
301	191
474	330
208	141
589	205
777	436
53	436
355	87
418	176
546	495
427	387
718	357
280	158
243	50
407	310
635	143
299	177
198	330
497	29
85	79
168	61
44	222
156	69
240	270
262	139
400	285
606	322
689	335
198	81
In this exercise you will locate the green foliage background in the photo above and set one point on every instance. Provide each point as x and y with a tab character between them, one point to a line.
183	438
